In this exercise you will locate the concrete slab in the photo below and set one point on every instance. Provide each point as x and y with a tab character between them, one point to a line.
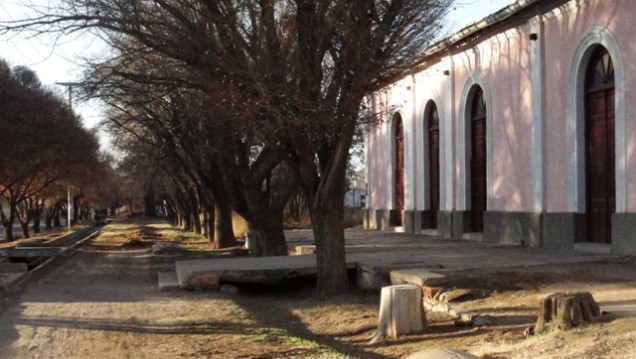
417	276
441	354
265	270
9	267
32	252
8	278
594	248
167	280
376	253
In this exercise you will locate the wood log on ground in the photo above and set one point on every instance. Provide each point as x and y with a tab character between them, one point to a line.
401	312
566	310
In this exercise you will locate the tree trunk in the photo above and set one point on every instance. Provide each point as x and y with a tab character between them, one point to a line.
209	223
56	219
566	310
328	228
150	202
401	312
37	217
7	222
223	231
25	229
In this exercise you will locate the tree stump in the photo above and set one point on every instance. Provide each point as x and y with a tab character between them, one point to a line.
401	311
566	310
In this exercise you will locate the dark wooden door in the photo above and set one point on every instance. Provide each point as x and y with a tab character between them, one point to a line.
600	158
478	162
433	153
399	171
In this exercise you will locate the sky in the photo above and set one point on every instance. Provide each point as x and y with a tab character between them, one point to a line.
60	60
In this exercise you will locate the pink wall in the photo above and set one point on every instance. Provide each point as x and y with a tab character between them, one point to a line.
562	34
502	63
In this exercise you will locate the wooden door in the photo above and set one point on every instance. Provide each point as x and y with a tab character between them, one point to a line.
433	153
478	162
399	171
600	158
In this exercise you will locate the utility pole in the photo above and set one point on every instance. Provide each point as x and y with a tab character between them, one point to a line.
69	202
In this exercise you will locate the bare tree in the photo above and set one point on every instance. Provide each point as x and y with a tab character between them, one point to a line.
295	73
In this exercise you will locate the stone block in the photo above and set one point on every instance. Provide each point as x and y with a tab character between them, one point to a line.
408	221
444	224
417	276
624	234
167	280
517	228
562	230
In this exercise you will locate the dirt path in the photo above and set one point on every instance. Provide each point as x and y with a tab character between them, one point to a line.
102	301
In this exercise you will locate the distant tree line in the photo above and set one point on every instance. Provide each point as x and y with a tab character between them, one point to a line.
44	150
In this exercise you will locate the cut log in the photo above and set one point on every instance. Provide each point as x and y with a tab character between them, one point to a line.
401	312
566	310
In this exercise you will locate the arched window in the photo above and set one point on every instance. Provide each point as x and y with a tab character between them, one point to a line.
478	160
600	156
433	163
399	170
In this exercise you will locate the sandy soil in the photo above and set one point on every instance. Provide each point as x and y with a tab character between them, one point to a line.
102	301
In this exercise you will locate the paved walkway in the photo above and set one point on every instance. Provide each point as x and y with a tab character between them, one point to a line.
390	250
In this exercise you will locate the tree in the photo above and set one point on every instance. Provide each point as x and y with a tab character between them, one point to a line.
44	143
295	73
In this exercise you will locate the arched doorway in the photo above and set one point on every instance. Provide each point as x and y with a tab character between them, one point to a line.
599	149
433	163
478	160
399	170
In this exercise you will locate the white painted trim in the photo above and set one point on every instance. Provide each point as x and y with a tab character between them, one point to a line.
470	87
410	146
576	118
538	112
430	96
447	203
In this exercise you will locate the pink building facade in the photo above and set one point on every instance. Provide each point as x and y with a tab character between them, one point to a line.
520	129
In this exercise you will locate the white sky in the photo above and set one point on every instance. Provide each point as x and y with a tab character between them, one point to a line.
61	61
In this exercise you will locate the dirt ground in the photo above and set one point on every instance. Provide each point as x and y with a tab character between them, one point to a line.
102	301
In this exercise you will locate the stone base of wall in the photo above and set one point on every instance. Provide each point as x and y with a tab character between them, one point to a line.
445	224
548	230
422	220
624	234
460	223
408	221
519	228
562	230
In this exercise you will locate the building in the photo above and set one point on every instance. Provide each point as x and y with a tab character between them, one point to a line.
519	129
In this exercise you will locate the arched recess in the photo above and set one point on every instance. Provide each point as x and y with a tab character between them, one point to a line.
432	163
473	87
583	53
397	160
600	194
430	97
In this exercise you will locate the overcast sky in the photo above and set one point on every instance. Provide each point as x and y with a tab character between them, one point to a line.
61	61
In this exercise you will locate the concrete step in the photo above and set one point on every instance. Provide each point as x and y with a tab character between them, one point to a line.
417	276
593	248
167	280
430	232
475	236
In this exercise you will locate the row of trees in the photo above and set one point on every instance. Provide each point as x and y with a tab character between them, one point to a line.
231	104
45	149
